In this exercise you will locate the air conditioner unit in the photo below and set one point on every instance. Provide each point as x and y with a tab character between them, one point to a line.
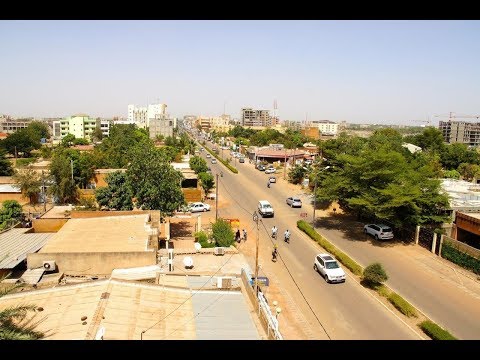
219	251
49	265
224	282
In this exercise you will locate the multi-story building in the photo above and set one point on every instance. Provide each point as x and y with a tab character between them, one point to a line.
326	127
141	115
81	126
9	125
460	132
161	125
252	117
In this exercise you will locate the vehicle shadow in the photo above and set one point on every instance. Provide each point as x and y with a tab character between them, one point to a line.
353	230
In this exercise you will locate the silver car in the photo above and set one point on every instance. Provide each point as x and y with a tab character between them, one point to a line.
379	231
328	267
199	207
294	202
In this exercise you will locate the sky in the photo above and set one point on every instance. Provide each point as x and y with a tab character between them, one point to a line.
377	71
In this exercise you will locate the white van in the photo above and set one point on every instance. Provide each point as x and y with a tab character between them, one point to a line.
265	209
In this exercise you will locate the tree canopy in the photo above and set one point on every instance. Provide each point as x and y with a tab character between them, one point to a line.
117	195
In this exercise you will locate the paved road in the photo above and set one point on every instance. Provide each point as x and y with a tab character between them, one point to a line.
437	289
346	311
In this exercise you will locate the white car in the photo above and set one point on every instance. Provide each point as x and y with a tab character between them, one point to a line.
379	231
209	156
328	267
199	207
214	161
294	202
272	179
270	171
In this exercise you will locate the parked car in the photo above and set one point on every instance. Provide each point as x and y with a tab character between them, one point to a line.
379	231
241	160
272	179
214	161
270	171
328	267
261	167
209	156
199	207
294	202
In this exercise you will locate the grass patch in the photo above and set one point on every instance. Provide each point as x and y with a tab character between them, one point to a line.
434	331
332	249
22	162
402	305
460	258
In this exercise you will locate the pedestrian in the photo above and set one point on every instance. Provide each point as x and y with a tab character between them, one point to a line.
274	253
244	234
237	236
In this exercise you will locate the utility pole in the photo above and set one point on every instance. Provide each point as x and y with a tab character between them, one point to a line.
255	218
285	165
315	193
44	194
216	200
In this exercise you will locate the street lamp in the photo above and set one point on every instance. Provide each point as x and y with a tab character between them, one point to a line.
315	193
255	219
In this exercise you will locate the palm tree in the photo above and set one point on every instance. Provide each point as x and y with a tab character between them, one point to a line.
14	324
29	182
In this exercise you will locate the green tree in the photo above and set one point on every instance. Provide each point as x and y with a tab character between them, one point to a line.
374	274
84	169
63	188
38	130
430	140
468	171
296	174
207	181
198	164
451	174
68	140
155	184
223	233
21	142
29	182
5	164
14	324
97	134
10	213
117	195
456	154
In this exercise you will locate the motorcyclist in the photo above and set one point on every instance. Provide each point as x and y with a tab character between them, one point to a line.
287	236
274	232
274	253
244	234
268	184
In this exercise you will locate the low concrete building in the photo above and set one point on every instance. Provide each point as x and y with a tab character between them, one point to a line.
12	192
98	245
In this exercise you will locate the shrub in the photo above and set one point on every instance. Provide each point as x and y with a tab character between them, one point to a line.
402	305
375	274
22	162
460	258
342	257
383	291
223	233
435	332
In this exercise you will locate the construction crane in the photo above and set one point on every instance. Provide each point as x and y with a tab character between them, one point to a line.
452	116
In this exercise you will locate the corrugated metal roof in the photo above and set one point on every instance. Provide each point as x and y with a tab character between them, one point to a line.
9	188
223	316
15	245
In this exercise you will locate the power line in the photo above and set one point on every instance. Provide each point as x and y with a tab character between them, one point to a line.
286	267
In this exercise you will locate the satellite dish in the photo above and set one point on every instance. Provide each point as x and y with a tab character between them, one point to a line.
188	262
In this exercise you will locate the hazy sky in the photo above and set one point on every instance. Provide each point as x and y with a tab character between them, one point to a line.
358	71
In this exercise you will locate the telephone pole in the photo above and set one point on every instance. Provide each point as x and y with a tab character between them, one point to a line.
216	199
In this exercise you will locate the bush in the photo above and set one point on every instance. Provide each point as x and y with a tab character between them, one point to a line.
383	291
460	258
402	305
22	162
375	274
435	332
342	257
223	233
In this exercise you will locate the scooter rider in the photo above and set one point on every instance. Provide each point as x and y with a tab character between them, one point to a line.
287	236
274	253
274	232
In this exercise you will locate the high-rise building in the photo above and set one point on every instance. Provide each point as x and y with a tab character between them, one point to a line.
141	115
252	117
81	126
326	127
460	132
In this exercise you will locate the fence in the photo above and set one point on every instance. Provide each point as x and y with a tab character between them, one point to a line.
462	247
267	319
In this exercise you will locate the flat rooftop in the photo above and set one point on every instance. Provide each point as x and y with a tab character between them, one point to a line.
102	234
57	212
125	309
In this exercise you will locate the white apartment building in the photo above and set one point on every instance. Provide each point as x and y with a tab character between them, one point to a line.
81	126
326	127
141	115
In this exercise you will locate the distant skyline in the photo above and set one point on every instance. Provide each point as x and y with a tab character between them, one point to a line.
382	71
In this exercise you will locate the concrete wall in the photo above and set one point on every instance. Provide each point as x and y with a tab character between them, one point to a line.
99	180
192	195
14	196
101	263
93	214
87	193
47	225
